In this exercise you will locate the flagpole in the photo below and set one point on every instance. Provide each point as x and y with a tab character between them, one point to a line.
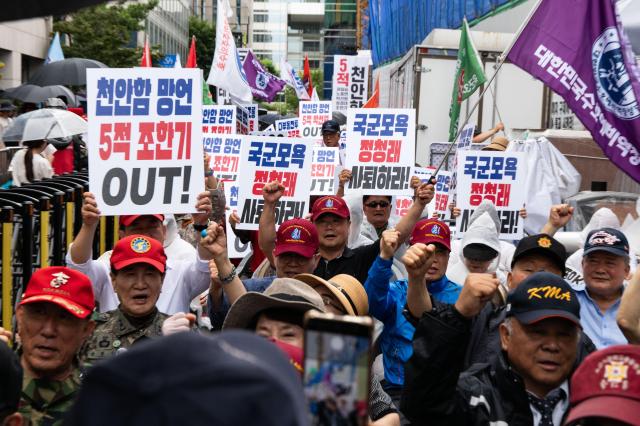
524	24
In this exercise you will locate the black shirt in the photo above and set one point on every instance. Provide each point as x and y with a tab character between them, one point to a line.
354	262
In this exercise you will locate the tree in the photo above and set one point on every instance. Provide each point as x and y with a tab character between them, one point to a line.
105	33
205	34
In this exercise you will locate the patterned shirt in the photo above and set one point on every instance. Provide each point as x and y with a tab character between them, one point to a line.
44	402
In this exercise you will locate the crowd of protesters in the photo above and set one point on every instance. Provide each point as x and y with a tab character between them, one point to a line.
470	331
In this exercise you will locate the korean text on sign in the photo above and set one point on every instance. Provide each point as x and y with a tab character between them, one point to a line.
323	169
266	159
289	126
493	176
380	152
441	198
224	153
350	82
145	139
235	248
311	117
218	119
247	120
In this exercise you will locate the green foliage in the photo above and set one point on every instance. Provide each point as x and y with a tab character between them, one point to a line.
104	33
290	97
205	34
269	66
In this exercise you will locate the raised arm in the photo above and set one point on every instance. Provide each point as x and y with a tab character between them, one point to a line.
381	302
559	216
271	193
418	260
203	206
343	178
629	313
424	195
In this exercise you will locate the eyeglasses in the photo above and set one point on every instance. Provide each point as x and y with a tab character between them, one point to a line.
330	302
376	204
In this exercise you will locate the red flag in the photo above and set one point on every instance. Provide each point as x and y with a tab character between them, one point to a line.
145	61
306	76
374	100
191	60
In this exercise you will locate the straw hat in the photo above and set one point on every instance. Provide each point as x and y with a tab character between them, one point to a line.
499	143
348	290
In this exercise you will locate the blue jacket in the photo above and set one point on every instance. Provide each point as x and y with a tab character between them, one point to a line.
386	303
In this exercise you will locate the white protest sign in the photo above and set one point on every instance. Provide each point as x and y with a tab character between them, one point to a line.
265	159
312	115
440	201
466	137
145	139
247	121
235	248
401	205
381	150
218	119
290	126
350	82
495	176
224	153
323	170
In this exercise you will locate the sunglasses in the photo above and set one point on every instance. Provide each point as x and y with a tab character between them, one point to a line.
376	204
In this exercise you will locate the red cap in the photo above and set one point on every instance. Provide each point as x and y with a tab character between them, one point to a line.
138	249
431	231
329	204
297	236
126	220
607	384
67	288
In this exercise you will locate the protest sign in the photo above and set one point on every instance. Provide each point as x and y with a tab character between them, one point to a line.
265	159
218	119
224	152
235	248
290	126
312	115
381	150
350	82
145	139
247	121
323	170
440	201
494	176
401	205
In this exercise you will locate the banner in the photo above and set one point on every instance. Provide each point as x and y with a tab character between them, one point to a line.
290	126
144	139
264	85
494	176
265	159
219	120
312	115
380	151
247	120
224	152
235	248
289	75
323	170
350	82
595	72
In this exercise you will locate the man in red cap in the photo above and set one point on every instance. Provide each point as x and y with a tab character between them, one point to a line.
54	320
330	214
183	281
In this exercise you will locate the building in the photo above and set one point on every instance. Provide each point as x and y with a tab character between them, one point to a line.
168	27
23	48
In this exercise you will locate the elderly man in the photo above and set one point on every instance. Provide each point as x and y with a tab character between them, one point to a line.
53	323
331	133
605	265
526	384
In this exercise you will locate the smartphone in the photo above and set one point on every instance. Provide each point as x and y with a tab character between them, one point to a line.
337	368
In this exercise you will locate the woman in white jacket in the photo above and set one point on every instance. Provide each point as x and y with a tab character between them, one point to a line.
29	164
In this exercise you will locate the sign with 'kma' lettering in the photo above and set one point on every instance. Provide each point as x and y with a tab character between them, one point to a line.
145	139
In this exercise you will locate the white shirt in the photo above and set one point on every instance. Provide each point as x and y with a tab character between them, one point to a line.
41	168
182	282
558	411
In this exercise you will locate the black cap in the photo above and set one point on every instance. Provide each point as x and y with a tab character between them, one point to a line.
544	245
477	251
543	295
230	378
7	106
331	126
607	239
10	380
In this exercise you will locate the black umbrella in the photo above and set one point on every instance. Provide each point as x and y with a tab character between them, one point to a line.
32	8
339	117
71	72
33	93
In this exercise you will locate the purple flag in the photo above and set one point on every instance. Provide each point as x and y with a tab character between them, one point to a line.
578	49
264	85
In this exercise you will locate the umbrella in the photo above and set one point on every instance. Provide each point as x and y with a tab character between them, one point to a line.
339	117
33	93
46	123
71	72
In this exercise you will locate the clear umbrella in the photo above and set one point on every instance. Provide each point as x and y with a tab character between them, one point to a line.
47	123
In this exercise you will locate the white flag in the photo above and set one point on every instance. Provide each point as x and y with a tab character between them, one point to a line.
226	69
178	63
314	96
288	74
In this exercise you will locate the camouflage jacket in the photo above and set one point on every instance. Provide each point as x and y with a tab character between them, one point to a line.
44	402
114	332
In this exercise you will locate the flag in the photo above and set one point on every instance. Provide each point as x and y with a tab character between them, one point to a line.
55	50
374	100
264	85
145	61
469	76
581	53
306	76
178	62
314	96
191	59
226	69
289	75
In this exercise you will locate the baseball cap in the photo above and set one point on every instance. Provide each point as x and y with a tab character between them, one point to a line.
607	239
297	236
138	249
67	288
330	204
330	126
431	231
127	220
11	379
478	251
543	295
544	245
607	385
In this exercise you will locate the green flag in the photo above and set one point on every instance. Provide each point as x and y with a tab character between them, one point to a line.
469	76
206	95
